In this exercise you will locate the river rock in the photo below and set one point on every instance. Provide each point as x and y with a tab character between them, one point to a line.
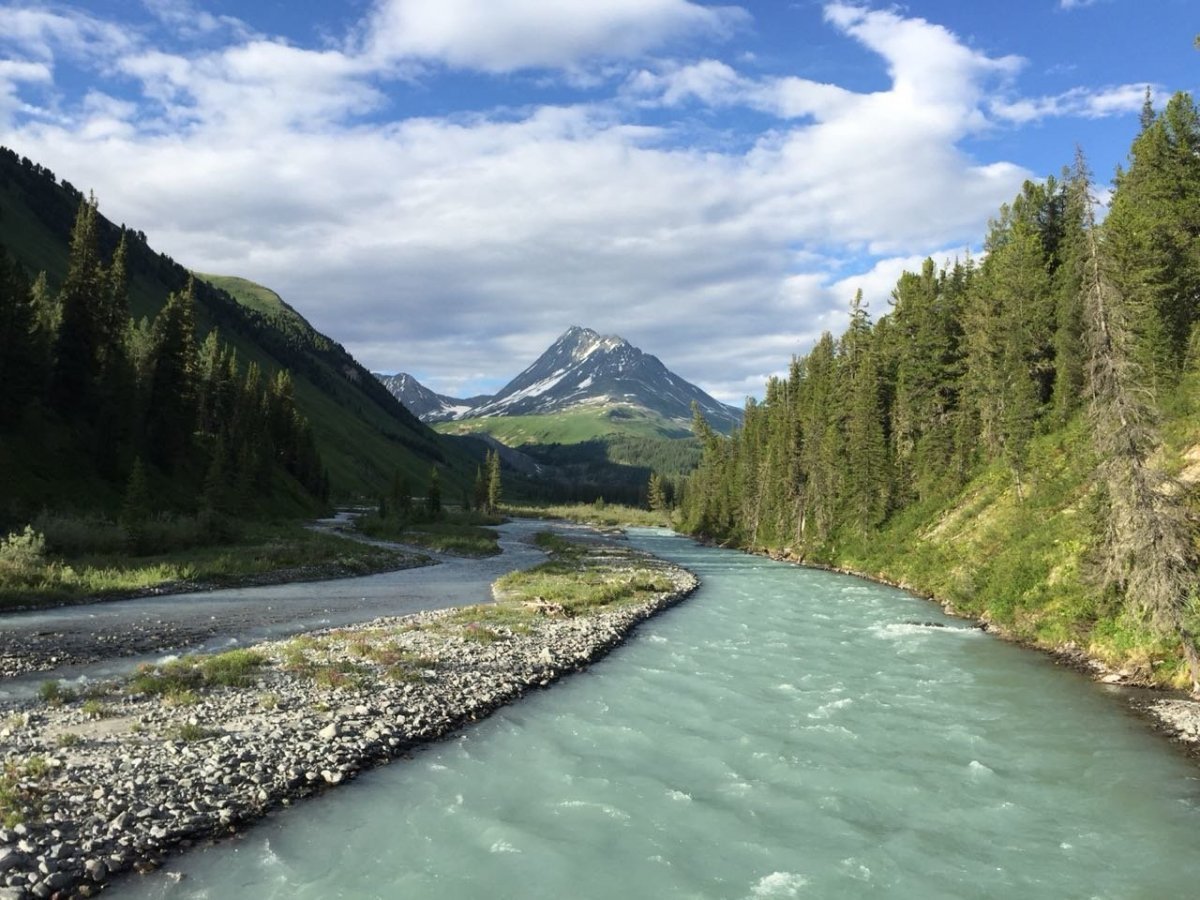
123	798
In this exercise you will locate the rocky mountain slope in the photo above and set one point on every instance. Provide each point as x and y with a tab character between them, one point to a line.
581	370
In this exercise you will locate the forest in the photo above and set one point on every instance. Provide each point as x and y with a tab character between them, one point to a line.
167	421
1012	434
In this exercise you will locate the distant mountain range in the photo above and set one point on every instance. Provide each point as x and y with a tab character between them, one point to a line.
580	371
424	403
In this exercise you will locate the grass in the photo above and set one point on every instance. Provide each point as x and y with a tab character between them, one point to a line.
578	580
19	788
608	514
456	533
572	427
266	550
376	655
1019	563
178	681
189	731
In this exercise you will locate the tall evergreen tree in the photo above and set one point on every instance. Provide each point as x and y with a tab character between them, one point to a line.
1152	235
22	361
493	481
77	342
172	406
1149	548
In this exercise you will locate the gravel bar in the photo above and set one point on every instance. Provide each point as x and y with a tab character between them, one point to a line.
117	784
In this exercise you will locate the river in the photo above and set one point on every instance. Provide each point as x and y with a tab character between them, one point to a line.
784	733
116	636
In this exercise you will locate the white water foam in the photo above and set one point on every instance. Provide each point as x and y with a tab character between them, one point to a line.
779	884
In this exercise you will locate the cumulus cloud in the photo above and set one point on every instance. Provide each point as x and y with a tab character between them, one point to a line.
42	34
458	246
507	35
1086	103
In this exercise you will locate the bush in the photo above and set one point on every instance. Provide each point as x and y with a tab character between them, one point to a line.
24	550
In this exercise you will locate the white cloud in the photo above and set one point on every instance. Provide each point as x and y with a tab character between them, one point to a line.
458	245
507	35
41	34
13	74
1085	103
190	22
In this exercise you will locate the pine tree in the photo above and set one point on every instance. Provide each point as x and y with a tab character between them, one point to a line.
172	407
493	481
866	477
1152	235
1149	549
433	497
656	497
479	493
22	361
78	336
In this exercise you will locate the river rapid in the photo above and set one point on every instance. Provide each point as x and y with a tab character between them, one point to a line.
783	733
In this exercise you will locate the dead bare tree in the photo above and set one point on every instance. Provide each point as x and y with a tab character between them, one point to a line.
1149	551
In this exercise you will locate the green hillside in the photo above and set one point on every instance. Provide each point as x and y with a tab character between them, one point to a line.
1019	437
363	435
570	427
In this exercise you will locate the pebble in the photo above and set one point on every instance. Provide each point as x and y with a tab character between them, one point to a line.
122	798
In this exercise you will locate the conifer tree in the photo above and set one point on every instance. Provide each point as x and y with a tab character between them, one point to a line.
866	476
22	359
172	406
135	507
433	497
493	481
1152	235
1149	548
78	337
656	497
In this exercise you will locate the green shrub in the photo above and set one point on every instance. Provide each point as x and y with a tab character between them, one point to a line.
23	550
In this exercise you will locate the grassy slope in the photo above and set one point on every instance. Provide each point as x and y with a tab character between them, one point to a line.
363	439
571	427
1022	563
363	448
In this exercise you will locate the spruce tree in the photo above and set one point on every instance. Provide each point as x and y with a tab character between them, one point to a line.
22	361
1149	549
77	341
433	496
493	481
172	408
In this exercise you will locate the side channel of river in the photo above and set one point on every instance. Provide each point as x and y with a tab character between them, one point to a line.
784	733
116	636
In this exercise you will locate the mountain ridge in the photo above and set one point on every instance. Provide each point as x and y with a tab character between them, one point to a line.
582	369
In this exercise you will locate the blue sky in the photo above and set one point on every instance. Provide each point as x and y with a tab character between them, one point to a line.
446	187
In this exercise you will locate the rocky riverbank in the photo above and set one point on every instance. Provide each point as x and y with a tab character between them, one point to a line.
97	786
22	653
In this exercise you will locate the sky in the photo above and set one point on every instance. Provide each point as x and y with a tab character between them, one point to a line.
445	186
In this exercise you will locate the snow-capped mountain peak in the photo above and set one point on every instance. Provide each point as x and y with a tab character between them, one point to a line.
581	369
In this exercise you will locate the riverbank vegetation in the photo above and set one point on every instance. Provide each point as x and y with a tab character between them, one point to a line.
456	533
1017	436
608	515
34	572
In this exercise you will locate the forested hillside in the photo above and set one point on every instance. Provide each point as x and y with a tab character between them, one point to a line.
89	342
1013	434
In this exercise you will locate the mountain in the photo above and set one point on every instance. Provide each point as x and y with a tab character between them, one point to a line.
424	403
584	385
363	434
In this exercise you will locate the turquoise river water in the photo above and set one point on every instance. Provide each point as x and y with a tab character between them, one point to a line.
783	733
